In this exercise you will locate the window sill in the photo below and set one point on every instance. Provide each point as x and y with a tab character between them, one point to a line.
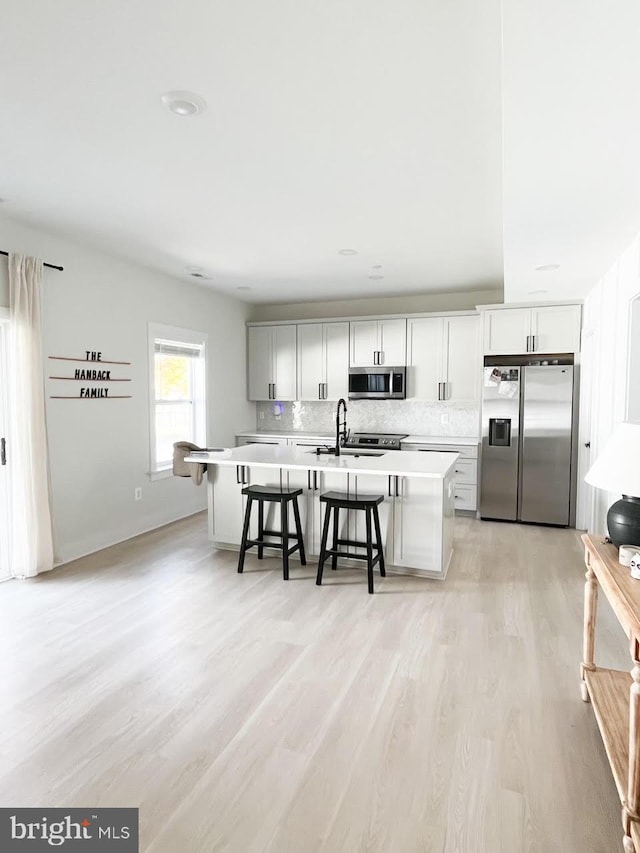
161	473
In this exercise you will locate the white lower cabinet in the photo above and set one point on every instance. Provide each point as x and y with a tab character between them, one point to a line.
465	473
416	515
418	542
326	482
373	484
227	509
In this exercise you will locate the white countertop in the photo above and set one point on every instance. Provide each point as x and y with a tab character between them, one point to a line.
285	433
465	440
400	463
442	439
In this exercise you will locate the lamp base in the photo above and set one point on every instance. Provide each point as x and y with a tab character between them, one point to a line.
623	521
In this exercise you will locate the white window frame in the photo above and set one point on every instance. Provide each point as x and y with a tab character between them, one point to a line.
189	337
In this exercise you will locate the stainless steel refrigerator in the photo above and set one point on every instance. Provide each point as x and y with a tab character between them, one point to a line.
527	442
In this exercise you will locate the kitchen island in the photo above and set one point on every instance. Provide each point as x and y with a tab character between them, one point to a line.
416	517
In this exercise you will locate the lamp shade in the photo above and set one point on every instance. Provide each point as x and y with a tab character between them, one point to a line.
617	468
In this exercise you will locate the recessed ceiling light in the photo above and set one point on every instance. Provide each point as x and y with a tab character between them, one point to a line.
548	267
376	267
243	287
198	272
376	277
535	292
184	103
347	252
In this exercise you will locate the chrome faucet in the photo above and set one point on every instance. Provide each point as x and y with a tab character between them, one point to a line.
341	437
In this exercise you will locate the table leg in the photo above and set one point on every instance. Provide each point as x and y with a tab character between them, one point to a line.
631	808
588	638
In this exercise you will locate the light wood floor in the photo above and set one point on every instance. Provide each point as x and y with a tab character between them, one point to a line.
242	713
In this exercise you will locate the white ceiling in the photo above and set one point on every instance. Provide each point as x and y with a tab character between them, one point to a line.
375	125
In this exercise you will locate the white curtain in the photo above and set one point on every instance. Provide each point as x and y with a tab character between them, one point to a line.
31	541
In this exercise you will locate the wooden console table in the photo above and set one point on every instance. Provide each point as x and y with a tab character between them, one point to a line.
615	695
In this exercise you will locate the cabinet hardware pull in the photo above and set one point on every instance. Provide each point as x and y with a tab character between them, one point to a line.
389	488
319	390
238	474
397	493
309	480
315	481
586	444
381	356
3	451
534	347
324	390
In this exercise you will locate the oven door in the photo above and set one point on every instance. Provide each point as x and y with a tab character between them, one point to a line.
376	383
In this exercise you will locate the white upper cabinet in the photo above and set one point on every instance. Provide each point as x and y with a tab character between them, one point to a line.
545	329
443	359
375	342
323	361
556	328
424	358
272	362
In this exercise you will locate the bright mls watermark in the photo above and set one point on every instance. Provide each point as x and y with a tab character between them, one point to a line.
27	830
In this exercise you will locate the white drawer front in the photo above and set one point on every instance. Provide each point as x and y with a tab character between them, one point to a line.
466	471
465	497
466	451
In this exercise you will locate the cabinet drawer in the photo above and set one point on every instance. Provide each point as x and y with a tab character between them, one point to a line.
466	451
465	497
466	471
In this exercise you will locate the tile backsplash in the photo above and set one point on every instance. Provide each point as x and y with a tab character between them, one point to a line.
401	416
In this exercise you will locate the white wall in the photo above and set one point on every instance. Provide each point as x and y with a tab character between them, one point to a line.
99	450
422	303
610	376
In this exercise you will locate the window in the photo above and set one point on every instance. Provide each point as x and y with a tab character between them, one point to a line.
177	370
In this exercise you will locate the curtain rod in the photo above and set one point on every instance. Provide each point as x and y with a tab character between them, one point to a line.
51	266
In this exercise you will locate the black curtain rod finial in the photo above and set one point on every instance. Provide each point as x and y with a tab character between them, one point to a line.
51	266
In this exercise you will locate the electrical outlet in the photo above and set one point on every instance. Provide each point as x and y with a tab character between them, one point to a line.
137	493
260	416
444	419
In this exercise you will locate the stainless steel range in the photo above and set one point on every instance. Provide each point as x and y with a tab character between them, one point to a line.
374	440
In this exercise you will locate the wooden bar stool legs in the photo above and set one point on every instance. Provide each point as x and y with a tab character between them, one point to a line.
336	501
270	494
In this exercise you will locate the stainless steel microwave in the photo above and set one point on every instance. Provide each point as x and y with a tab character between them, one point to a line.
377	383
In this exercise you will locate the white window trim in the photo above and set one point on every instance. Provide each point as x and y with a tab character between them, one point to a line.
187	336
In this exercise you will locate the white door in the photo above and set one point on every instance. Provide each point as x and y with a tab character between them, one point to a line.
463	362
556	328
424	358
311	361
260	362
284	362
393	342
5	459
336	349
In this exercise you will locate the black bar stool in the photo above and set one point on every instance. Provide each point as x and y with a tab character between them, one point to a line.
341	500
272	494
